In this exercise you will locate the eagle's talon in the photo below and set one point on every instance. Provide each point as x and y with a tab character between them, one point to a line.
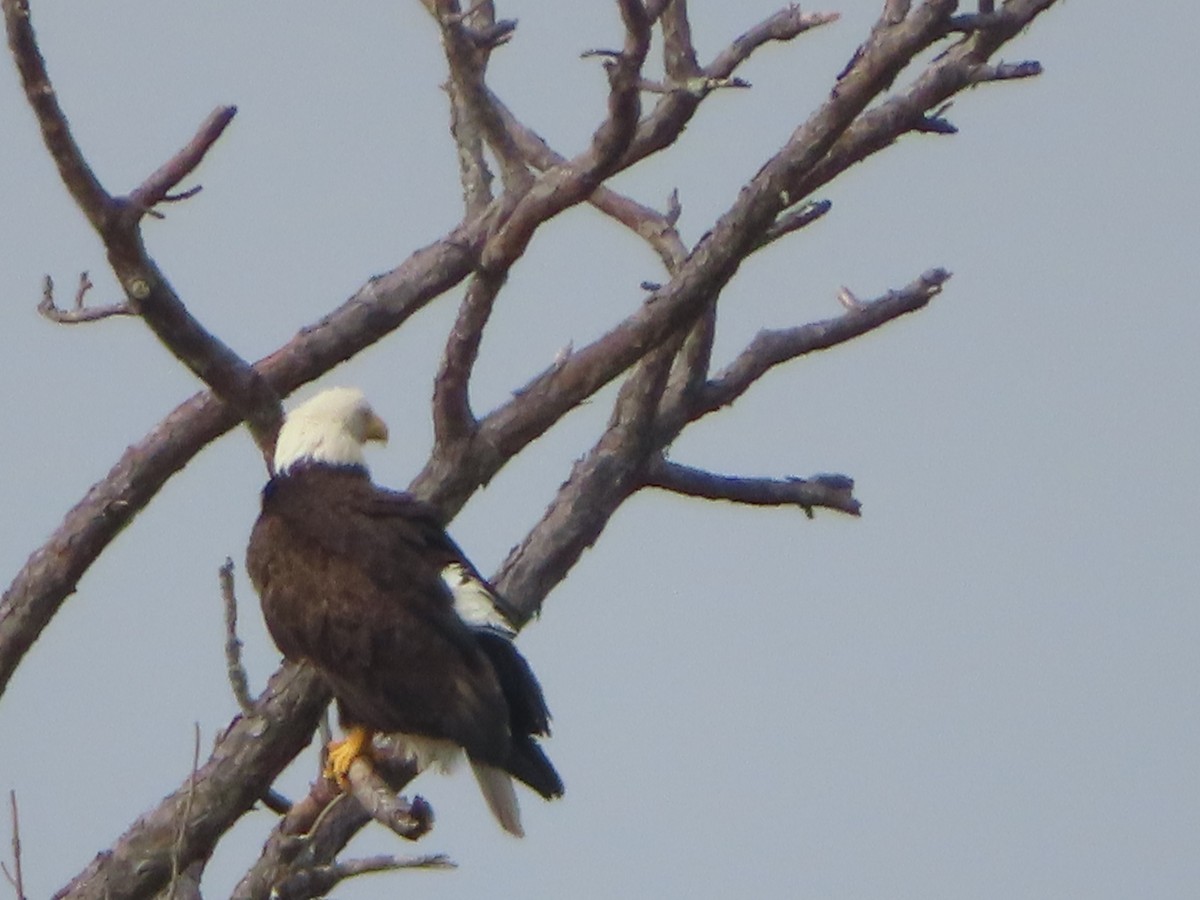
340	755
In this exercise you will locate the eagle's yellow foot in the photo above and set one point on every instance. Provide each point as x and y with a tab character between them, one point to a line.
341	754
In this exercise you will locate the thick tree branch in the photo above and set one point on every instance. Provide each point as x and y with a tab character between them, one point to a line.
667	343
245	761
473	171
52	571
598	484
679	53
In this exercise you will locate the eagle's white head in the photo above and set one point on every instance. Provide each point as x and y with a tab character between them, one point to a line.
331	427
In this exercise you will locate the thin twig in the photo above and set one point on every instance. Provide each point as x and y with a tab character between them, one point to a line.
1003	71
699	85
793	220
79	313
317	881
185	817
238	680
15	877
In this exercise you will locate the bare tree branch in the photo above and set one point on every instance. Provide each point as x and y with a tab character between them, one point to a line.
238	680
581	508
52	571
318	881
177	867
318	826
656	229
770	348
828	491
16	877
116	222
453	420
245	761
76	174
467	55
157	187
409	820
79	313
564	186
662	347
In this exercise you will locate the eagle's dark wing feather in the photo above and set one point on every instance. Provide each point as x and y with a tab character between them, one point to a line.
364	604
528	715
351	579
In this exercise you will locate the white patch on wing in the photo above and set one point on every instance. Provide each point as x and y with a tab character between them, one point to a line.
427	751
474	601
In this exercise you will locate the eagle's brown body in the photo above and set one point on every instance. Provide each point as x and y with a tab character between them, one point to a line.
351	580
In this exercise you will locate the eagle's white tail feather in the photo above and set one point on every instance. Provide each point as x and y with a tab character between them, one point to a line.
497	788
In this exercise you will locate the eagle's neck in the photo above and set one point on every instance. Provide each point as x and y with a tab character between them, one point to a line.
300	443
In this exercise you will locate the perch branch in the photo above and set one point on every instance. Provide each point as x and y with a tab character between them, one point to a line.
318	826
409	820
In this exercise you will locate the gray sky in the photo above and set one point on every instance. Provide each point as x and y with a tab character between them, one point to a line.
986	687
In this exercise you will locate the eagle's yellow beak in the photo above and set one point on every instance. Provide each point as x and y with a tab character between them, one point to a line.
375	429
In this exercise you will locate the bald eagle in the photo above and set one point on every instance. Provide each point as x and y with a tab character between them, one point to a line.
364	584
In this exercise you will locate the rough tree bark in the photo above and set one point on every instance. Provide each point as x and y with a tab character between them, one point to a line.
661	351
